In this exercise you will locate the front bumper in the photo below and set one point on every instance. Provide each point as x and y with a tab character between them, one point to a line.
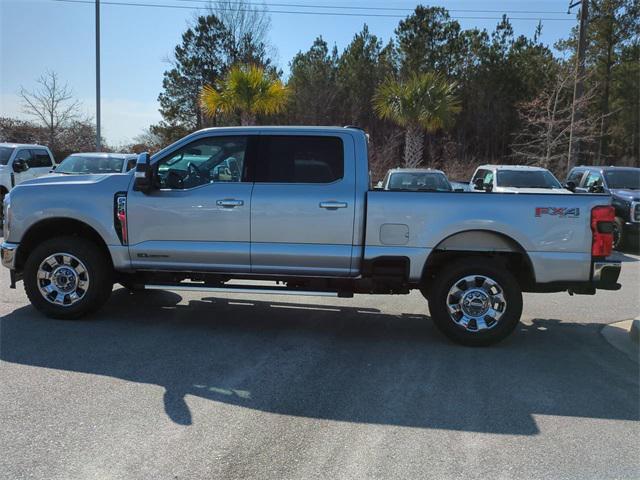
631	228
8	253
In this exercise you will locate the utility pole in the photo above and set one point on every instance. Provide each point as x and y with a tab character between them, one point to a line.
98	140
575	146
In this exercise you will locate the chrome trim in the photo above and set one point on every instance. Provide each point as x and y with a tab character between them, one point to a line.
62	279
635	207
599	267
241	289
8	254
476	303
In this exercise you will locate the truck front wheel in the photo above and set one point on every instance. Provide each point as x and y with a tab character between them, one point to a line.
68	277
475	302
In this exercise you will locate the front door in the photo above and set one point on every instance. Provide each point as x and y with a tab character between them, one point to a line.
23	154
199	218
302	208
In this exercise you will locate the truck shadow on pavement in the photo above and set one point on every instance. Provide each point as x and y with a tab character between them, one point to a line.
335	363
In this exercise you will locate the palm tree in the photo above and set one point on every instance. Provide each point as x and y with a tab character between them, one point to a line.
247	89
425	101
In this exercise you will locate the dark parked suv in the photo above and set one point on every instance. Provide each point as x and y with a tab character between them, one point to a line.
623	184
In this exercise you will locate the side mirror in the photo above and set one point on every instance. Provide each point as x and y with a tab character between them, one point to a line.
143	181
20	166
478	184
571	186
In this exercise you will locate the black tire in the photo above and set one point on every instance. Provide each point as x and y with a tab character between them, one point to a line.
453	274
618	234
98	269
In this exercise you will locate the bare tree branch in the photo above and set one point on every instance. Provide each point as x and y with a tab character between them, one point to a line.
51	103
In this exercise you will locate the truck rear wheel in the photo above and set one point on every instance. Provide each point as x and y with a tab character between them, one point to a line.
67	277
475	302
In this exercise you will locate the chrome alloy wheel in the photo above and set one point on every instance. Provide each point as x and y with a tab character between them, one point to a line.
476	303
62	279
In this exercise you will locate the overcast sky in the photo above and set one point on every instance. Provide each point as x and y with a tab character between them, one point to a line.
40	35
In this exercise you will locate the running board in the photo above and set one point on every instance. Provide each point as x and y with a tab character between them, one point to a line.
194	287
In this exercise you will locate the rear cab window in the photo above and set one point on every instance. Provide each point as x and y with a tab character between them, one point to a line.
299	159
41	158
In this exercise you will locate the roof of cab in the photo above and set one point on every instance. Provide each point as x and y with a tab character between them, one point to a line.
16	145
415	170
105	155
512	167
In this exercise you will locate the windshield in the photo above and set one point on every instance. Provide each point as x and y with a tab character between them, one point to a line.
5	154
627	179
527	179
419	181
81	164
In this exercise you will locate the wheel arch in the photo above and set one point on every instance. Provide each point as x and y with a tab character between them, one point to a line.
480	243
57	227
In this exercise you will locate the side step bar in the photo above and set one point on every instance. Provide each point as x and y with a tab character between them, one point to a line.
259	289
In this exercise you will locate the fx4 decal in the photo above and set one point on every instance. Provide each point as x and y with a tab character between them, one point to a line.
558	212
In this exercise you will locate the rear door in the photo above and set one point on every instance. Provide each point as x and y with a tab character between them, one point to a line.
302	206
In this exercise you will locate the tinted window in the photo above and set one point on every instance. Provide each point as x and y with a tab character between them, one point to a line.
298	159
479	174
82	164
131	163
26	156
628	179
575	176
41	158
593	178
527	179
5	154
212	159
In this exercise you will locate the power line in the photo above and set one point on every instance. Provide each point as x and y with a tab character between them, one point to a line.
354	7
291	12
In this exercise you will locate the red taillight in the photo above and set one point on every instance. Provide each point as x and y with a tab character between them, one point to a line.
602	219
121	218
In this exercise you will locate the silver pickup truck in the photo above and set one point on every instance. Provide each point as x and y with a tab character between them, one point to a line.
290	210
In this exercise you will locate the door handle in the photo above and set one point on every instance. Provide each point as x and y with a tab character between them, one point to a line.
333	205
229	202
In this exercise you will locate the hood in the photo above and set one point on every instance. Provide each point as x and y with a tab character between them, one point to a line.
626	194
59	178
531	190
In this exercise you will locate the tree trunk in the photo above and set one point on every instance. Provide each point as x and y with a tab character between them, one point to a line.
413	146
247	118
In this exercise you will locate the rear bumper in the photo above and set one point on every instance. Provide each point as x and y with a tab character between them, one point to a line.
604	276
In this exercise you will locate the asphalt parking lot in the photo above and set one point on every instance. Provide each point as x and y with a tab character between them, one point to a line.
161	385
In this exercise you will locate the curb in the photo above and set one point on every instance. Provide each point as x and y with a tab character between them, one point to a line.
624	336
